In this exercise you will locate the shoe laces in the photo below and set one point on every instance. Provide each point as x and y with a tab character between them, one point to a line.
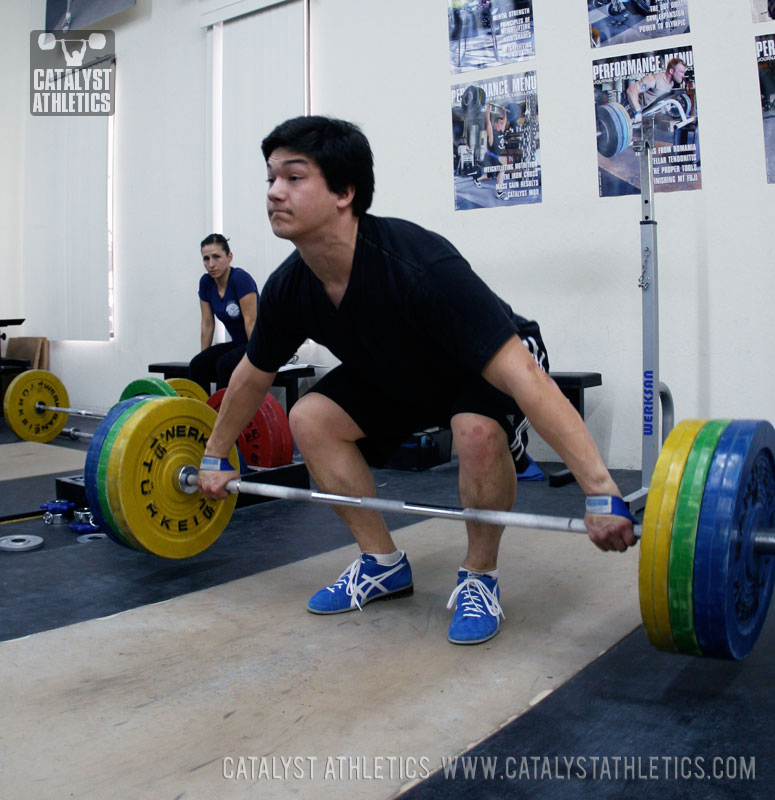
348	581
476	594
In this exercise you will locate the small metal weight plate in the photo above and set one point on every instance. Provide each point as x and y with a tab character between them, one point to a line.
20	544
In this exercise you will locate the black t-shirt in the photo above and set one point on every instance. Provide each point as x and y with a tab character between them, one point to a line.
414	312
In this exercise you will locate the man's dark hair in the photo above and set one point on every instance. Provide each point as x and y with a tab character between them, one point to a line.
339	148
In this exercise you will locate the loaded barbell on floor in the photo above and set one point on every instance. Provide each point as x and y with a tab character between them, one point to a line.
36	409
36	403
705	574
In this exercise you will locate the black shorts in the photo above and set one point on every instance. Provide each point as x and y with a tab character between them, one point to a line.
389	418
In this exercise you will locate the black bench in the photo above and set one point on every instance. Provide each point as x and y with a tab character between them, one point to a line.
572	385
287	379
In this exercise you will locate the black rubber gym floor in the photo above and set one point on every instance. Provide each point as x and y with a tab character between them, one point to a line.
635	723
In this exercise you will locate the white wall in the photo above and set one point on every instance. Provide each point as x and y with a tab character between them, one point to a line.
15	103
252	106
162	201
162	195
573	261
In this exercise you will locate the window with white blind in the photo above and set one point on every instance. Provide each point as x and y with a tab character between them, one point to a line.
66	282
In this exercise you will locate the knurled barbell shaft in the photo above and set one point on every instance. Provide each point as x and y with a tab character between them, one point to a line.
74	433
41	407
764	541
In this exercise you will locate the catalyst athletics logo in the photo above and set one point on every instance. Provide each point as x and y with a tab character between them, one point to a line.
72	74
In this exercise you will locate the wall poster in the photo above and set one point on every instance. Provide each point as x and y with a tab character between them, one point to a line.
615	22
763	10
632	93
483	33
765	57
496	152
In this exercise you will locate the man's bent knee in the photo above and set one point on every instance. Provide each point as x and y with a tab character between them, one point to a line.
478	438
316	418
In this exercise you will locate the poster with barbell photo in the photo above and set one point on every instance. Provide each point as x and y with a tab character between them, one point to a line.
495	146
765	58
649	96
483	33
763	10
616	22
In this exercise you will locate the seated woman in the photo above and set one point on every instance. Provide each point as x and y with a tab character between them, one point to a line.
230	294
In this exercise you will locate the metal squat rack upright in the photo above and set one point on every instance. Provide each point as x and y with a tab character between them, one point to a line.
657	401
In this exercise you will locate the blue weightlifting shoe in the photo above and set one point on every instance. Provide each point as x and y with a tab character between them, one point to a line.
363	581
478	612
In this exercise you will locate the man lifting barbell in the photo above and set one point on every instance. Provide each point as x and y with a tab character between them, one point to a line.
496	155
96	41
644	91
420	338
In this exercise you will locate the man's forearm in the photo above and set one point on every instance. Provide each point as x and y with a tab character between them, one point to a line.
247	389
633	95
559	424
513	371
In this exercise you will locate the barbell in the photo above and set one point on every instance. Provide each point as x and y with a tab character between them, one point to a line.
47	40
705	573
36	403
614	125
474	99
614	129
36	407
